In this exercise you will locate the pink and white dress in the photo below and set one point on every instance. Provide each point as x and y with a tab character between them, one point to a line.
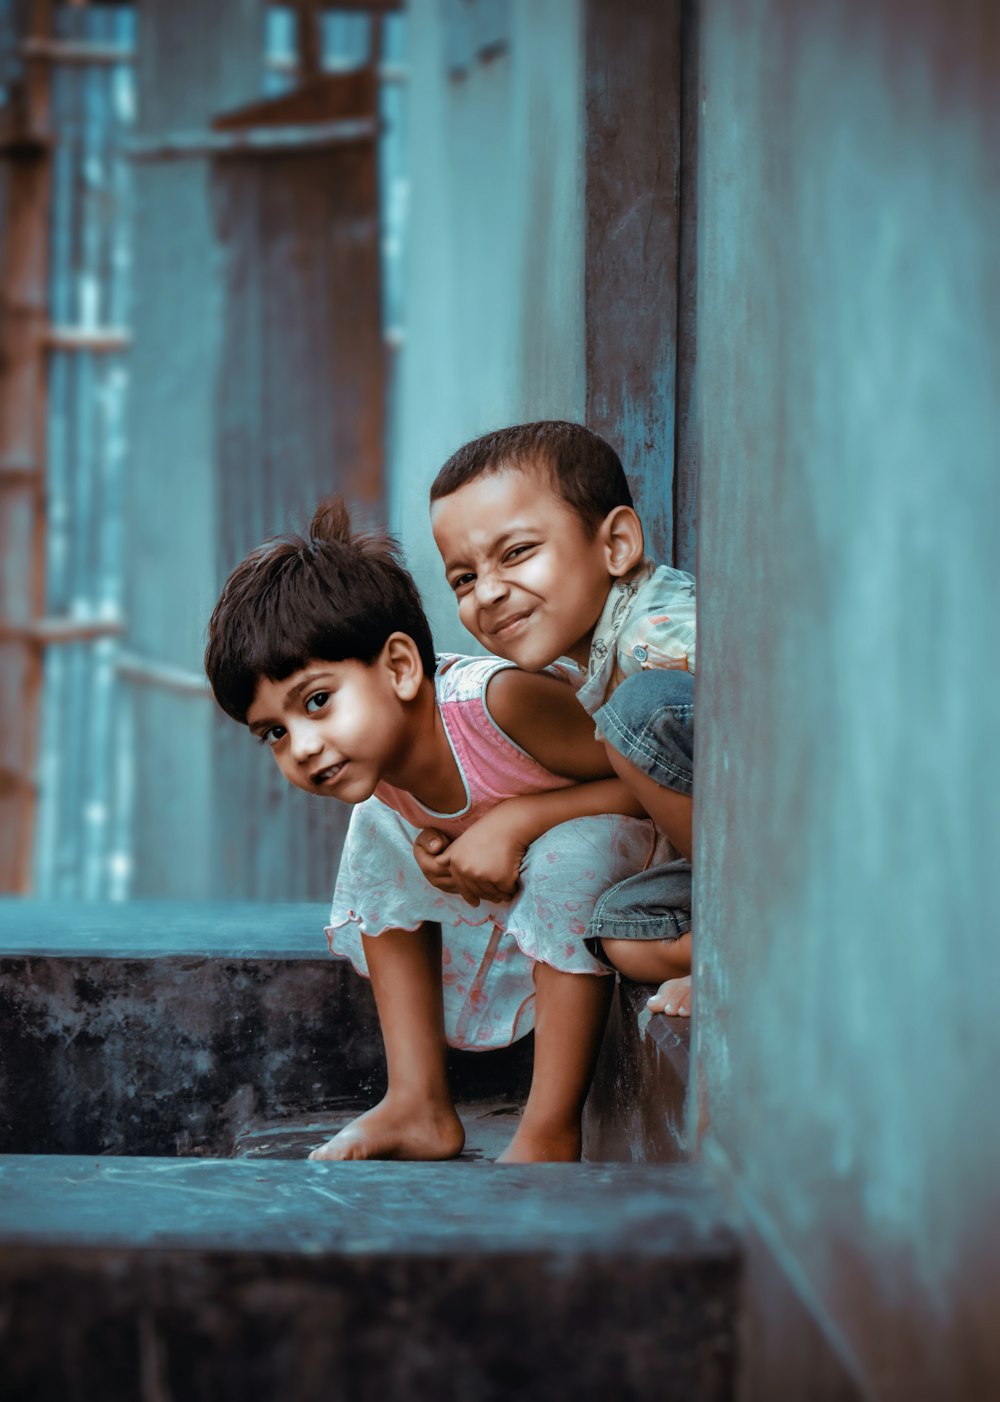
488	950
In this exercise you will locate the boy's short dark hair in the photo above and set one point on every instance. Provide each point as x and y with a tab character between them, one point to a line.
331	594
584	469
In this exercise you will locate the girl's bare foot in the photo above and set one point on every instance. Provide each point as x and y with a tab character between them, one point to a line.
396	1129
672	998
548	1147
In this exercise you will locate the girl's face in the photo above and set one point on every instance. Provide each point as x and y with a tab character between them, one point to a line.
335	728
530	582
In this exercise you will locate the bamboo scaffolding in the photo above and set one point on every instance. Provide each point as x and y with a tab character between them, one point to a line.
45	632
146	672
84	51
23	318
88	338
253	140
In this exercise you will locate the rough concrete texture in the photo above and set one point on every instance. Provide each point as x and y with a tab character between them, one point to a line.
209	1281
166	1029
847	1038
636	1112
489	1125
166	1056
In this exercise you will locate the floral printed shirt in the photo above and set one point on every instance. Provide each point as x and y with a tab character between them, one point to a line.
648	621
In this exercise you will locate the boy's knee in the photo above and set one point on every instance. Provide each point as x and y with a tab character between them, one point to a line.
649	961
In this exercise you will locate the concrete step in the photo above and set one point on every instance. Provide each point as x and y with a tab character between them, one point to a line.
490	1125
157	1028
637	1111
209	1280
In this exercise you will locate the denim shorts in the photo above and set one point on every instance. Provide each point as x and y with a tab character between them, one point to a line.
649	719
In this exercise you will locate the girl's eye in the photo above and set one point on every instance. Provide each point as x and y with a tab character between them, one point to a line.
317	701
272	736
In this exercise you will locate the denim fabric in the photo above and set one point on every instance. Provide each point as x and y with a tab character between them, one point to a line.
649	719
655	904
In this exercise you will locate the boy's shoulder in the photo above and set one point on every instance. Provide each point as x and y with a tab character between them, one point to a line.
650	596
659	628
648	622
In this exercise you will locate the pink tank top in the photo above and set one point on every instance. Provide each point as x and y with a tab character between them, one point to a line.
491	765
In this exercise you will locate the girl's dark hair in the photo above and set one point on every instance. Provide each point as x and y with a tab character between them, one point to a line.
584	469
332	595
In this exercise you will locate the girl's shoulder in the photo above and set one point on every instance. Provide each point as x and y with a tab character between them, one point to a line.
462	678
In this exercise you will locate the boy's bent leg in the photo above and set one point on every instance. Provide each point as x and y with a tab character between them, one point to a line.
417	1118
644	926
570	1013
644	922
650	961
648	729
672	812
666	962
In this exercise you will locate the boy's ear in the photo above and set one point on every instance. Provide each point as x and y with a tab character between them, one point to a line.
621	532
401	657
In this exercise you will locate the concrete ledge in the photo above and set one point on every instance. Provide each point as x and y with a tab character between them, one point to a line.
168	1028
158	929
636	1112
215	1280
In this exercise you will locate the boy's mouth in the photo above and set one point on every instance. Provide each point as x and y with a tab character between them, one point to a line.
507	626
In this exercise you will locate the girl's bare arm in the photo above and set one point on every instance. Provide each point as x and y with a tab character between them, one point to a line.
543	717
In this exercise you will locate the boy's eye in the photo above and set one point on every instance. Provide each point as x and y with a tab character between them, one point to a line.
272	736
517	550
317	701
463	582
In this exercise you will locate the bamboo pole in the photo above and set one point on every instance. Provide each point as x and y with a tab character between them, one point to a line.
23	321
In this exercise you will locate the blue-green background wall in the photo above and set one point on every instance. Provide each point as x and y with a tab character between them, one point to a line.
848	963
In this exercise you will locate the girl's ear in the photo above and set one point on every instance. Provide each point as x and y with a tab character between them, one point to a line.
621	533
401	657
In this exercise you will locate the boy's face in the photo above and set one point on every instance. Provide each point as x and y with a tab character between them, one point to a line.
530	582
333	727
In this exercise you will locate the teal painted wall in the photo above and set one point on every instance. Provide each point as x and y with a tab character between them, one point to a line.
494	263
848	965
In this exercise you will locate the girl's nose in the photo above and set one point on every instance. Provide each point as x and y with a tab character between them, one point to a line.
305	740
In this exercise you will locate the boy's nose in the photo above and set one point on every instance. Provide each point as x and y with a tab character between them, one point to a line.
489	588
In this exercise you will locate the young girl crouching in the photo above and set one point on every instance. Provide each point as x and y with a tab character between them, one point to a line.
319	644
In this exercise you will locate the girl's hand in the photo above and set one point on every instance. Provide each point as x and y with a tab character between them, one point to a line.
485	862
481	865
430	848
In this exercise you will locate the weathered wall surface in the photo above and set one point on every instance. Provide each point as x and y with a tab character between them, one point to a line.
847	1036
494	277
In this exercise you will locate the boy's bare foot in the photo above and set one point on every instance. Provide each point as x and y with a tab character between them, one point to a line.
672	998
396	1129
552	1147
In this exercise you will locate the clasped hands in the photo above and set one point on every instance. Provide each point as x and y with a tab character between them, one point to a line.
482	864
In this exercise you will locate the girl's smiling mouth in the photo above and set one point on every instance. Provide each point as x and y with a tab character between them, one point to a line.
326	776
